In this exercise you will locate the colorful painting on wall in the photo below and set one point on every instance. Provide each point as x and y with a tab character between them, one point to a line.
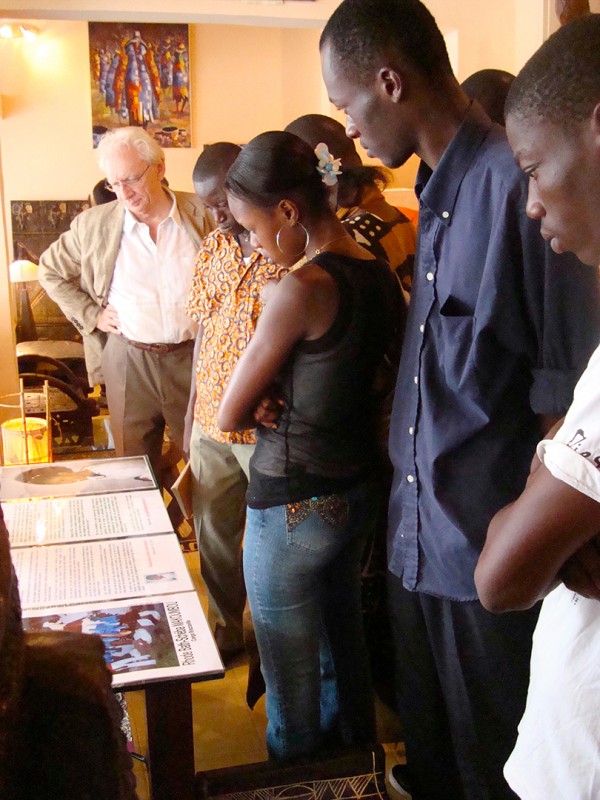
140	75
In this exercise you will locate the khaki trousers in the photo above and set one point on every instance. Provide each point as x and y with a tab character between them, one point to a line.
220	475
145	391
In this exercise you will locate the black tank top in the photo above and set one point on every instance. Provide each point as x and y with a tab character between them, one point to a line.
326	437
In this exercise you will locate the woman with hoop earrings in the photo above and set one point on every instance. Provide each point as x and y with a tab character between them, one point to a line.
311	380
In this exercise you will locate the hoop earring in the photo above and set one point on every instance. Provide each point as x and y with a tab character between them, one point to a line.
306	243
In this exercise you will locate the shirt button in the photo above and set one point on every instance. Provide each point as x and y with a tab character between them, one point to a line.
416	379
411	430
410	478
429	276
422	328
445	214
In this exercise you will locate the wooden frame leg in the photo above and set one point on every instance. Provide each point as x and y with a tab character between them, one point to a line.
170	740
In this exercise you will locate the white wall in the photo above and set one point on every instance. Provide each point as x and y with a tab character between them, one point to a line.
241	85
245	80
8	359
261	12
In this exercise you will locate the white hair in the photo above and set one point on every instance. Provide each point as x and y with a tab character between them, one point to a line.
119	138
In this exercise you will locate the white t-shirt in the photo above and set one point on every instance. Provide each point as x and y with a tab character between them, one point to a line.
557	754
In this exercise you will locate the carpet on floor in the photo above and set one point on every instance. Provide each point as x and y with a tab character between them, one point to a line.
355	774
187	537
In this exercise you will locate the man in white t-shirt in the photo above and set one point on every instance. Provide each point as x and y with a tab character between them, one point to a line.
546	543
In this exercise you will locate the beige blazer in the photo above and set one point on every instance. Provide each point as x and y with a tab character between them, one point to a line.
76	271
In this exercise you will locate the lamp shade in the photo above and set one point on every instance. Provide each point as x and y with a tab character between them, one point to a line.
22	271
25	445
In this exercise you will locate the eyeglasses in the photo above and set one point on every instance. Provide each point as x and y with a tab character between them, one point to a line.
112	187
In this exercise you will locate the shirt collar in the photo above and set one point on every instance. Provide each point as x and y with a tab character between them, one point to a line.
130	221
234	244
438	189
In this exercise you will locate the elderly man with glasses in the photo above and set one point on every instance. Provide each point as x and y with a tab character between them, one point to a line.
121	275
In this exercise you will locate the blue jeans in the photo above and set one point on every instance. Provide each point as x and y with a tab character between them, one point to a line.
302	572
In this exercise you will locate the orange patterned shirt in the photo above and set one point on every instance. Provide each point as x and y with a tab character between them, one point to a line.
225	300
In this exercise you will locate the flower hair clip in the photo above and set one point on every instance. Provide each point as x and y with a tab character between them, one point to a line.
328	167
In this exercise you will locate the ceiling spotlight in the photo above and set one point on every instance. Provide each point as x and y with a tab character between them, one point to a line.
28	32
14	31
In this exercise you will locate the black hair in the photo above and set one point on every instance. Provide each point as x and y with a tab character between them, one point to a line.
214	159
361	31
316	128
367	175
489	87
277	165
560	83
102	194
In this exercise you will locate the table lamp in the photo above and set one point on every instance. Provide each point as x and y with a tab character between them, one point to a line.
26	440
20	272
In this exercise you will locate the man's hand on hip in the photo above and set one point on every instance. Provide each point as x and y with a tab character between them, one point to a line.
108	321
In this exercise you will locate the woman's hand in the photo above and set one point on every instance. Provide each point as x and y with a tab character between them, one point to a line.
268	411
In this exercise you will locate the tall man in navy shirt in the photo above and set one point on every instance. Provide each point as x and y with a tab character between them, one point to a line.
497	334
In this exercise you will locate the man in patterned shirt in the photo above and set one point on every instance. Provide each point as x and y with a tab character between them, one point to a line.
225	301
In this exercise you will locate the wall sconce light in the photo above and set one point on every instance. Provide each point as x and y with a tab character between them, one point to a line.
17	31
21	272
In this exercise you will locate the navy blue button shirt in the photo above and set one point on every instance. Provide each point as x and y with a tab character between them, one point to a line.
499	330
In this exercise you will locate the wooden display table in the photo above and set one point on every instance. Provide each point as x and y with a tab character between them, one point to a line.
95	552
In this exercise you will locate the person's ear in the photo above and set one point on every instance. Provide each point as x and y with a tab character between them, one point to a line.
161	170
390	82
289	210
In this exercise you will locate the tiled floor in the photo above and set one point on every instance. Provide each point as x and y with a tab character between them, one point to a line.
226	732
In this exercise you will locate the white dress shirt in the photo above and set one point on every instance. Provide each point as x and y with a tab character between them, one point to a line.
151	281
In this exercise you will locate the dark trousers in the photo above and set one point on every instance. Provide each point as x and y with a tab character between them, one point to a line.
461	683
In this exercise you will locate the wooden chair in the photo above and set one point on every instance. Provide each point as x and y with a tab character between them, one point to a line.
54	368
60	734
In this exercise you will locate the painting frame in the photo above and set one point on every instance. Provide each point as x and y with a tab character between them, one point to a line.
140	75
35	225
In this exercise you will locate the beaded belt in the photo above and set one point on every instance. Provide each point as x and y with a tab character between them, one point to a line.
158	347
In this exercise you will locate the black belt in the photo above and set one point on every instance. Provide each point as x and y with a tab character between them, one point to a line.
158	347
